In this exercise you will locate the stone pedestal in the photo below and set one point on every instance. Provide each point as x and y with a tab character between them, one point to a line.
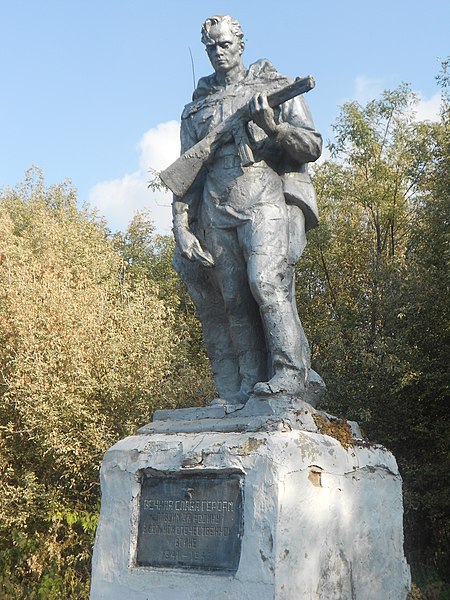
301	518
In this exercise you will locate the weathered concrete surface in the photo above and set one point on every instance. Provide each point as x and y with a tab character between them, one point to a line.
321	522
273	414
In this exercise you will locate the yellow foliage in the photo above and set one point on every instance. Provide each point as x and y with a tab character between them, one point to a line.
83	353
338	429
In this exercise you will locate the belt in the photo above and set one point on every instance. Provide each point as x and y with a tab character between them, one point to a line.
231	161
228	161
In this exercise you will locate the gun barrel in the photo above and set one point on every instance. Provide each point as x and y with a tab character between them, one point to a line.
180	175
301	85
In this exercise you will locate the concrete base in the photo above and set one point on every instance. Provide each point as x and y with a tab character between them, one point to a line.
320	521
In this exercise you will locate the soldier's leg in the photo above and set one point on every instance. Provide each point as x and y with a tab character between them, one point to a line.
211	311
297	244
244	321
273	246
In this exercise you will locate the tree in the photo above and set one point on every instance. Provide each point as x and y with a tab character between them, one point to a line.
84	351
424	388
366	202
189	380
373	292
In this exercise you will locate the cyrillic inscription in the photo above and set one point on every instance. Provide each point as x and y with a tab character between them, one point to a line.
190	521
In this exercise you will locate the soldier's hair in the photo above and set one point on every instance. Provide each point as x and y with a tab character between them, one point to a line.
234	25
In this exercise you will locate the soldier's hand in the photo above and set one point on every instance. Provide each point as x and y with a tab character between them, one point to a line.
262	114
190	247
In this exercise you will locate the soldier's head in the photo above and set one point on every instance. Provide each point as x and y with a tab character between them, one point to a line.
224	41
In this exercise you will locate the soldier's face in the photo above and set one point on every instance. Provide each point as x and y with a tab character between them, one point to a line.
224	48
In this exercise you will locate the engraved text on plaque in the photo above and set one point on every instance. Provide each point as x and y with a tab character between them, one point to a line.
190	521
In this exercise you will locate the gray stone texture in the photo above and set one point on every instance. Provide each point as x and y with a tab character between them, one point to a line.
319	521
241	225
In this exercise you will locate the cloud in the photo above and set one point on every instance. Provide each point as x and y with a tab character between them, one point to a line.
326	154
118	199
370	88
367	88
160	146
428	110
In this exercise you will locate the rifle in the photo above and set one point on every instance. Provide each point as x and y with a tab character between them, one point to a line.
180	175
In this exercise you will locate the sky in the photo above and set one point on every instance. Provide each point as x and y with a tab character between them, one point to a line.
92	90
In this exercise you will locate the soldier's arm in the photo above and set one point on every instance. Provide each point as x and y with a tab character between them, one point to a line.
187	242
180	206
293	129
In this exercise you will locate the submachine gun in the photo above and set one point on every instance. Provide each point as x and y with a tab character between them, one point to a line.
180	175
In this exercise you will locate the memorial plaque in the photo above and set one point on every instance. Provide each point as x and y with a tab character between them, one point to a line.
190	521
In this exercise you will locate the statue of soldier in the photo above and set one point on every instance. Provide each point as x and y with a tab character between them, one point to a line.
240	229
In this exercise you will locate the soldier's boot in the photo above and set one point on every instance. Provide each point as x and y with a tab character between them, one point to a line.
289	352
252	367
250	346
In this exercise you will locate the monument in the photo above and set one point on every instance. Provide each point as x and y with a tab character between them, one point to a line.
240	226
259	495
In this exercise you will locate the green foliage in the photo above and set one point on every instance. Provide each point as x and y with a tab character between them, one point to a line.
373	294
428	586
425	456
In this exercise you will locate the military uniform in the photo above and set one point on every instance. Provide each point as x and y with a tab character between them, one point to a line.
252	220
